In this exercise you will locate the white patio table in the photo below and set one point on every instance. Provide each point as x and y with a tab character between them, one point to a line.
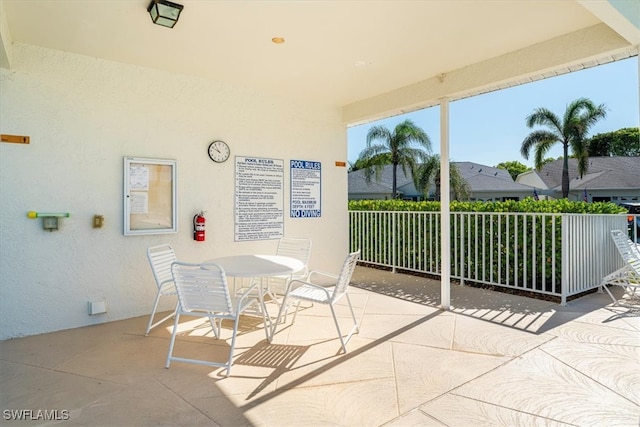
257	266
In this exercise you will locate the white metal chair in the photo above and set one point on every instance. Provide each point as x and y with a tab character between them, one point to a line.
310	291
627	277
298	248
160	259
203	292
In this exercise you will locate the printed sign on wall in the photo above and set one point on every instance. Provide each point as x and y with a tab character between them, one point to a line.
305	189
259	199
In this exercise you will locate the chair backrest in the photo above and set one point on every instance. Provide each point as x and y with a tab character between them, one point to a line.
202	287
295	248
627	252
344	278
160	259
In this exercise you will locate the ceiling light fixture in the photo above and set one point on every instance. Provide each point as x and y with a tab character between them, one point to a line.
164	12
278	40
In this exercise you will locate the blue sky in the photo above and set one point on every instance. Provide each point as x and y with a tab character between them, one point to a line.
489	129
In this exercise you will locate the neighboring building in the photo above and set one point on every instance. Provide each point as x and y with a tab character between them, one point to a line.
492	184
486	183
608	179
380	187
532	179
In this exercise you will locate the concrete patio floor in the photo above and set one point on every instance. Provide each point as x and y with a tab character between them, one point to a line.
493	360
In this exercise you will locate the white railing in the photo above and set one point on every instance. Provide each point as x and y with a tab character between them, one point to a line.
554	254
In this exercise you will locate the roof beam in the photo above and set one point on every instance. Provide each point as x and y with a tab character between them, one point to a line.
576	50
5	39
623	17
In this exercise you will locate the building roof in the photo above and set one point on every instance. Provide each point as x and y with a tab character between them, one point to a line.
470	170
358	184
490	183
481	178
604	173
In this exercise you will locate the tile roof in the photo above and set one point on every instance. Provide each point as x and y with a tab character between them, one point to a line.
358	183
480	182
603	173
471	170
481	178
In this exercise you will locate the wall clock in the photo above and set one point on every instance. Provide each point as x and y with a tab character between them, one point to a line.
219	151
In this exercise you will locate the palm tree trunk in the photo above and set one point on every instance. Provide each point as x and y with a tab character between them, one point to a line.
565	171
394	185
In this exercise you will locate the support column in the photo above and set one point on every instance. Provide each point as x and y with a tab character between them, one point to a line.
445	217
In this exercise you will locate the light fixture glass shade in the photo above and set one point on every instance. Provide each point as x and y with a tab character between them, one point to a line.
164	12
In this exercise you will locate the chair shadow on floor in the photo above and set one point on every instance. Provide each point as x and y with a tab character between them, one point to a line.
281	358
248	323
622	313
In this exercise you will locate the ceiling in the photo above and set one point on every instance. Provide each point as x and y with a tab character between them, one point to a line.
371	58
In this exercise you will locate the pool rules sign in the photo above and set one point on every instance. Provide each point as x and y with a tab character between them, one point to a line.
305	189
259	199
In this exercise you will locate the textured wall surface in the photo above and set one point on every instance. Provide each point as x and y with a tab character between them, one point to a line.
84	116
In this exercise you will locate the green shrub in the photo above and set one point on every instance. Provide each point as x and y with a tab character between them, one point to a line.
526	205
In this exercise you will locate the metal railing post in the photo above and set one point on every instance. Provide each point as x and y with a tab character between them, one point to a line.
394	249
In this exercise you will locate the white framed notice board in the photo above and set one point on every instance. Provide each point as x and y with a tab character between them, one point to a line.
150	199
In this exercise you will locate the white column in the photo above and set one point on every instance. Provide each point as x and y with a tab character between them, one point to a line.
445	220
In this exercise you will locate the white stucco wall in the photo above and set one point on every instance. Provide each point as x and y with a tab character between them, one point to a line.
83	116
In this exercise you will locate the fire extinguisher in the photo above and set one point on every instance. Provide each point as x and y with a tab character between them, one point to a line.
198	227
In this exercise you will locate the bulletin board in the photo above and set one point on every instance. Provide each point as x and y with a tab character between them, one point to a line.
150	199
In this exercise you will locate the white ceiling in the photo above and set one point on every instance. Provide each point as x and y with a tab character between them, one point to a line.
369	57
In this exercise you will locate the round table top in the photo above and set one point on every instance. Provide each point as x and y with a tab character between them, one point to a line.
256	265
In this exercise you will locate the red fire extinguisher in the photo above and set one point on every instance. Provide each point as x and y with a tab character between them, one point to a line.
198	227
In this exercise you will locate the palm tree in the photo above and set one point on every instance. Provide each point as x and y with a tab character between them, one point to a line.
430	171
365	163
407	146
571	132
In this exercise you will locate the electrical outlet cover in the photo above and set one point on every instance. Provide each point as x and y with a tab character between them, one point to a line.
50	223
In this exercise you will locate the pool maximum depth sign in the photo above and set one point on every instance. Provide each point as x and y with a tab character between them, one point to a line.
305	189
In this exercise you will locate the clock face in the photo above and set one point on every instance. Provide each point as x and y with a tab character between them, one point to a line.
219	151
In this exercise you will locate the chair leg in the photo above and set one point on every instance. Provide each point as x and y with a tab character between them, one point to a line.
270	328
215	327
233	343
152	325
286	311
173	340
354	329
606	288
335	320
353	315
277	322
153	312
272	295
295	313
